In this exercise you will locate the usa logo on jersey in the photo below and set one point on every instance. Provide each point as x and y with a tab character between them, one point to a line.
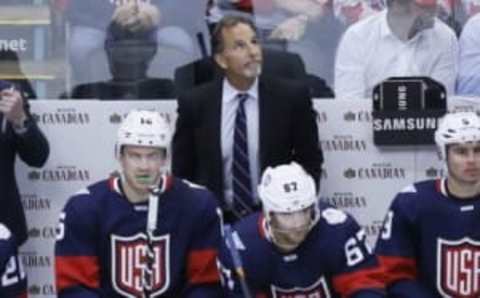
318	290
458	272
129	261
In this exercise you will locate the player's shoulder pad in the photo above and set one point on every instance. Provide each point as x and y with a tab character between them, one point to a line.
97	189
191	191
193	185
4	232
334	216
420	187
409	189
186	194
248	227
84	198
81	192
414	193
412	198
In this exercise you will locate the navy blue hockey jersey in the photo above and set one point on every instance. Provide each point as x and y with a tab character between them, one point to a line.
430	243
13	280
101	244
333	261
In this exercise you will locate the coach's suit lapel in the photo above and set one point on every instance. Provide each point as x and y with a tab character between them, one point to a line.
265	99
213	112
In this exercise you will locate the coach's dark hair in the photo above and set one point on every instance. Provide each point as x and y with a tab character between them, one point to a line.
228	21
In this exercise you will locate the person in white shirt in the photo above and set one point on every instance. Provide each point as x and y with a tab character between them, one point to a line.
405	40
468	80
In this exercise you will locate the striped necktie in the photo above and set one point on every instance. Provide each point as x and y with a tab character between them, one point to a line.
242	188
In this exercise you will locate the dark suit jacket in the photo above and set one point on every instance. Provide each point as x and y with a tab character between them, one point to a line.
32	148
288	131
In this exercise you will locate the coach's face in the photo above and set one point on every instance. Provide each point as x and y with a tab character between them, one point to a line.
241	56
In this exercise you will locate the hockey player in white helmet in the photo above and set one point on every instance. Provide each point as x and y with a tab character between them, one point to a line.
459	133
298	246
289	201
429	242
143	150
144	234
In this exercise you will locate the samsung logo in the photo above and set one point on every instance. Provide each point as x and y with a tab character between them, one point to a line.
401	124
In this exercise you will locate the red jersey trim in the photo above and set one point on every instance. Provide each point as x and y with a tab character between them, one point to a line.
398	268
261	226
72	271
202	267
348	283
440	186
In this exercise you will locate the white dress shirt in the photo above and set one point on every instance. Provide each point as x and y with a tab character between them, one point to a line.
229	111
469	70
369	53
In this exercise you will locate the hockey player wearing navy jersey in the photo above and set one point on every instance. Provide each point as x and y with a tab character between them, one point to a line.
430	242
13	280
145	234
298	247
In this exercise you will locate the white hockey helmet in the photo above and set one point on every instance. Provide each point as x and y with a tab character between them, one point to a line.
457	128
286	192
144	128
286	188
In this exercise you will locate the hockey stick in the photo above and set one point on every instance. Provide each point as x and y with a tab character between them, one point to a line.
237	261
153	198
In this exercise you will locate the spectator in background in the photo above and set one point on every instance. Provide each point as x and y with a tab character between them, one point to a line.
246	6
89	19
19	134
429	243
452	13
11	69
351	11
404	40
242	121
309	28
471	7
468	81
130	45
261	12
